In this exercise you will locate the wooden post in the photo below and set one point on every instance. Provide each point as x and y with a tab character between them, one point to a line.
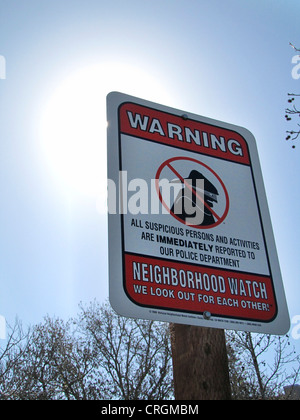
200	364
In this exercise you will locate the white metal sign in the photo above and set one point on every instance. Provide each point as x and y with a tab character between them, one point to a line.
190	236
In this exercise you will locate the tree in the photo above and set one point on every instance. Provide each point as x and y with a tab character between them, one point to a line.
259	365
48	363
100	355
292	109
11	358
97	356
134	355
289	113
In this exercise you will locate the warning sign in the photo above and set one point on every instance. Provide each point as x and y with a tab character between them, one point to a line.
190	237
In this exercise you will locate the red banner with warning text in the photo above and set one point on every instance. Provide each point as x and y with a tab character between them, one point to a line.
157	283
183	133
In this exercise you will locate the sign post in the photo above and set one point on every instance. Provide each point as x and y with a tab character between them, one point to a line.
190	236
200	365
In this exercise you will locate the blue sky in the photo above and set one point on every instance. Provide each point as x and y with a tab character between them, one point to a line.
226	59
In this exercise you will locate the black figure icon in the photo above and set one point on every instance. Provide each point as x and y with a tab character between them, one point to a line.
189	198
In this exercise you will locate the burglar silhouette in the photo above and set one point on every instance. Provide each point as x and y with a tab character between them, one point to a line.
187	200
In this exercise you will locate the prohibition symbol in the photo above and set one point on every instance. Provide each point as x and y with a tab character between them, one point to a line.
198	184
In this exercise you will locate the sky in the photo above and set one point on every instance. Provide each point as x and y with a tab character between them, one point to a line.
225	59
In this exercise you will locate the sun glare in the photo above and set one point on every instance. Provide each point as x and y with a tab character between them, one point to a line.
73	124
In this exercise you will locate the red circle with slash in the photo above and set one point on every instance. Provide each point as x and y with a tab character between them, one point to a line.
168	164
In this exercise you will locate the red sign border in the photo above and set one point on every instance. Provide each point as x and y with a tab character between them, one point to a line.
120	132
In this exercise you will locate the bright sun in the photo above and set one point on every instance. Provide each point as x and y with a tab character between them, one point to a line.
73	124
